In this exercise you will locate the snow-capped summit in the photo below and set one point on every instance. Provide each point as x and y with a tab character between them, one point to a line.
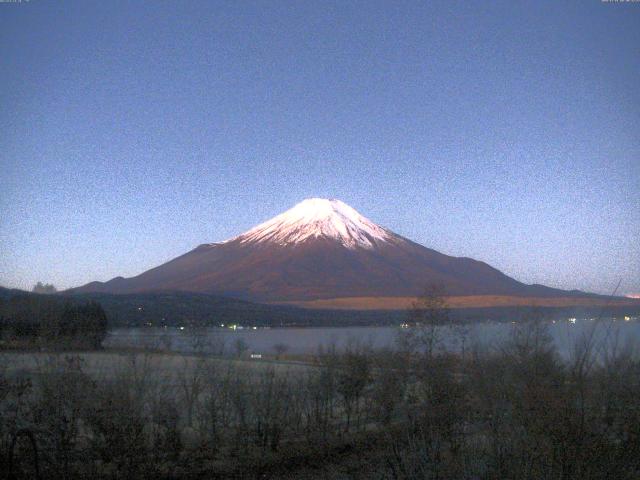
319	217
322	249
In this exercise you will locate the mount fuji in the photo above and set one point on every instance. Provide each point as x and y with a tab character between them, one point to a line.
322	251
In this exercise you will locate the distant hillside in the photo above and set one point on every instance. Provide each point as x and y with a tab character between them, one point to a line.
6	293
183	308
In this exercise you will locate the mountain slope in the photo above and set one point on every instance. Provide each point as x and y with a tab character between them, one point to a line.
321	249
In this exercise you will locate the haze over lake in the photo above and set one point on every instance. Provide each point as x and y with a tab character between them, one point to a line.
565	334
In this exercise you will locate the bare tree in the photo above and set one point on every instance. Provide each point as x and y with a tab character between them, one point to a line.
240	346
192	383
354	375
280	349
426	317
44	288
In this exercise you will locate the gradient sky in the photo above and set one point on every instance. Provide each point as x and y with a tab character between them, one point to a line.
131	132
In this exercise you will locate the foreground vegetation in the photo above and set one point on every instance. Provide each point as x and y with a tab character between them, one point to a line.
516	411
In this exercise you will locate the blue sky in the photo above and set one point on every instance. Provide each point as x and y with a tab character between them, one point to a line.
509	132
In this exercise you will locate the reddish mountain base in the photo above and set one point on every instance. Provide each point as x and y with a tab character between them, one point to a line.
467	301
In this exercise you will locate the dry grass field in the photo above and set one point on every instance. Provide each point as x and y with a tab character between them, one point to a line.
468	301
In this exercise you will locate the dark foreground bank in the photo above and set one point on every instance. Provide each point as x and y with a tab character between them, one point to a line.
514	411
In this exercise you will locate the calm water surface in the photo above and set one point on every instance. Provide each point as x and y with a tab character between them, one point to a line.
308	340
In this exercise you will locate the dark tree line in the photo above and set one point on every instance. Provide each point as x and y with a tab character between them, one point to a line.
50	320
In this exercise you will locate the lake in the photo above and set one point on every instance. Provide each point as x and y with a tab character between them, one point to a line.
308	340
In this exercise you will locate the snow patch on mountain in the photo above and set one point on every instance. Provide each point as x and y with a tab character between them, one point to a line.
319	217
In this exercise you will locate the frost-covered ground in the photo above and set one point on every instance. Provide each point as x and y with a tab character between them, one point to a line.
166	366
